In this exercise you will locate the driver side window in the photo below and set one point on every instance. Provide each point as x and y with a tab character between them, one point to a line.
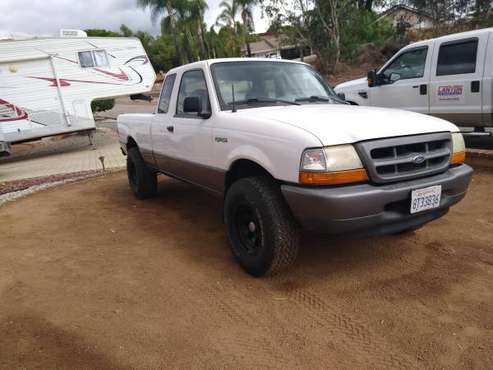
410	64
193	84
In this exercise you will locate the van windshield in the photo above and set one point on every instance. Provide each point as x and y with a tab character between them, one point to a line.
261	83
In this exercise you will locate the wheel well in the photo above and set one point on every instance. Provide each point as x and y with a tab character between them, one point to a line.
243	168
131	143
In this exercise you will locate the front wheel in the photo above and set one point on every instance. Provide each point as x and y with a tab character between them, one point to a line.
263	234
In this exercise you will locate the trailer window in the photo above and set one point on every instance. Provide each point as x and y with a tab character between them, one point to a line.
166	94
457	57
100	58
93	58
85	59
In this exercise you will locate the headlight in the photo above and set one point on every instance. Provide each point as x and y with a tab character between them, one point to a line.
458	149
331	166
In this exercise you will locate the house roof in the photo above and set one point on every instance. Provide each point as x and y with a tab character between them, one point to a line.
267	42
396	8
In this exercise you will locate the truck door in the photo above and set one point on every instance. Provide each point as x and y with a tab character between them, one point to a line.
161	131
456	80
403	82
192	134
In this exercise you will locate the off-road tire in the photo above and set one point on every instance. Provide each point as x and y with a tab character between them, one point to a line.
278	233
142	180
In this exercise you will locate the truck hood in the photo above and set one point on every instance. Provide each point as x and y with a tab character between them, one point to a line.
360	83
335	124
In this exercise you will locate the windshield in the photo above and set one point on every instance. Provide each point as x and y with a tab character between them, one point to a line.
269	83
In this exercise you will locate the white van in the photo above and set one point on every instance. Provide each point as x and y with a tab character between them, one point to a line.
449	77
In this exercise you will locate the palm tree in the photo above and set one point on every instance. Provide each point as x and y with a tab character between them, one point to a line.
197	9
228	16
230	12
246	11
166	8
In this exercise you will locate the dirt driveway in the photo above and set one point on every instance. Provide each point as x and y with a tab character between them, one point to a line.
92	278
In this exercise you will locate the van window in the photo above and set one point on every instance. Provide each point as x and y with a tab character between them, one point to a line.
457	58
93	58
410	64
166	94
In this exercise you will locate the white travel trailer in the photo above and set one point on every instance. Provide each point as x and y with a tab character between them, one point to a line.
47	84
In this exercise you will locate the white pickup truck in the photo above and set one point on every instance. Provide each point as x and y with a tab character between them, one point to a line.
450	77
273	139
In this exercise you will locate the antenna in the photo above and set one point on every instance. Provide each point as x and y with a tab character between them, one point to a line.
233	110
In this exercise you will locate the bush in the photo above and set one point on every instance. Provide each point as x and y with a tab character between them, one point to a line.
102	105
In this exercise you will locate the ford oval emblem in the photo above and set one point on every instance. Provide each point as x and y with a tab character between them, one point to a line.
418	159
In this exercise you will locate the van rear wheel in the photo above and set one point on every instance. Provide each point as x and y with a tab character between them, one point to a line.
263	234
142	180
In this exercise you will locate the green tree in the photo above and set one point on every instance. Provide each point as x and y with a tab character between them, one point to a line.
167	8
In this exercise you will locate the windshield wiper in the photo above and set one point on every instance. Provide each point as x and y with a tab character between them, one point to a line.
267	100
314	98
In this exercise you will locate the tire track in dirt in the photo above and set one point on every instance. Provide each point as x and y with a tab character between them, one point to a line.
259	350
353	335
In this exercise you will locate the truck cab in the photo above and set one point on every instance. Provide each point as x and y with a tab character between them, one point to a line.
448	77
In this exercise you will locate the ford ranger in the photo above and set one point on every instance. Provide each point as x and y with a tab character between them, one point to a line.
285	153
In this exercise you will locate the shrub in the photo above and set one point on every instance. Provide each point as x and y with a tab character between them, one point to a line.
102	105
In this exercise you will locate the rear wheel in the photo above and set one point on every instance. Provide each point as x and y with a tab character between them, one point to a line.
142	180
263	235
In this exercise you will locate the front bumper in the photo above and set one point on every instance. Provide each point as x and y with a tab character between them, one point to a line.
372	210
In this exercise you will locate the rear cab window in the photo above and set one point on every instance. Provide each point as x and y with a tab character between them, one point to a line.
457	57
165	98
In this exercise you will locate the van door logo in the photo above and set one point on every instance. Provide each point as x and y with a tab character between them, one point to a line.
451	93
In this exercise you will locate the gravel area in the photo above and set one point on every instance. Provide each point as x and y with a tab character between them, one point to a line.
13	190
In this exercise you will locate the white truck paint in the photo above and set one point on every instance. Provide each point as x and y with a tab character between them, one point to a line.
329	160
46	89
449	77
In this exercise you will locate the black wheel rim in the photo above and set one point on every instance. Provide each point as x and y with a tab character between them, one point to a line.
248	229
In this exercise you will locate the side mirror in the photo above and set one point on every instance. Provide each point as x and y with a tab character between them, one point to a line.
193	104
394	77
372	78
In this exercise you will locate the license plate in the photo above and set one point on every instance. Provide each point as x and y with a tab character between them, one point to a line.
426	198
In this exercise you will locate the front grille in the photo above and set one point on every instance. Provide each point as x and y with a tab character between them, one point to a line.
407	157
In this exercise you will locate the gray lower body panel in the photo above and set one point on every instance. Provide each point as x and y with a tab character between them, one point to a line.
373	210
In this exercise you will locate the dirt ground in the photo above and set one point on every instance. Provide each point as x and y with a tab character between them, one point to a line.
92	278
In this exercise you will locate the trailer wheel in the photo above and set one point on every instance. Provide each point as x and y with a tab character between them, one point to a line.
262	232
142	180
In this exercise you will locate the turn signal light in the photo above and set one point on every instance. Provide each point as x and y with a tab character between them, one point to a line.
333	178
458	158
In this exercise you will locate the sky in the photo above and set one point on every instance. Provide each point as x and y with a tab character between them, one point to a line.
47	17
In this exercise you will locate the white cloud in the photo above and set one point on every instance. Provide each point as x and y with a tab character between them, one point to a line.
47	17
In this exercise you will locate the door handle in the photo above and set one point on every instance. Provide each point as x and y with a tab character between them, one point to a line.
170	128
423	89
475	86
